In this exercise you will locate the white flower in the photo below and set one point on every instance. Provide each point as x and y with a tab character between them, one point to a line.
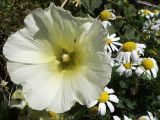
130	51
111	43
117	118
126	69
148	117
3	83
105	16
57	60
156	25
76	2
156	12
146	13
148	68
105	98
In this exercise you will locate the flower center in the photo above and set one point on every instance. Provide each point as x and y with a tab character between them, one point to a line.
127	65
52	114
155	11
129	46
146	12
147	64
142	118
108	41
103	97
66	58
105	15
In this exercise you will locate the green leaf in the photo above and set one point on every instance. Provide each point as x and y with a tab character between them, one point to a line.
91	4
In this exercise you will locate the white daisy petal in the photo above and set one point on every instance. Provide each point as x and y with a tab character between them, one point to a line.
139	71
154	72
109	90
113	35
150	115
113	98
102	109
111	107
116	43
116	117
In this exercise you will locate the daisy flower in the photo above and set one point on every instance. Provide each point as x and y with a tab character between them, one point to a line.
3	83
148	67
105	98
111	43
146	13
105	16
156	25
148	117
130	51
57	60
76	2
156	12
118	118
126	69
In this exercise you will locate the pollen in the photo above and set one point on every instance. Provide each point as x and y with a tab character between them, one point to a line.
129	46
146	12
105	15
127	65
108	41
103	97
65	58
147	64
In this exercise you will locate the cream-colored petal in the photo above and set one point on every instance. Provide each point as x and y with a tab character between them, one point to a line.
39	84
92	104
93	78
21	47
93	41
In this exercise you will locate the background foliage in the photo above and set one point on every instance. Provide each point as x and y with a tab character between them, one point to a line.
136	95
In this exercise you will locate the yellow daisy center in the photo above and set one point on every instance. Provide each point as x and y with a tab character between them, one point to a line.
155	11
142	118
147	64
103	97
105	15
52	114
129	46
146	12
108	41
127	65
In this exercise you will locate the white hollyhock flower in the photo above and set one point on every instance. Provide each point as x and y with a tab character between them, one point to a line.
105	98
130	51
148	117
118	118
58	60
146	13
105	16
148	68
111	43
126	69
